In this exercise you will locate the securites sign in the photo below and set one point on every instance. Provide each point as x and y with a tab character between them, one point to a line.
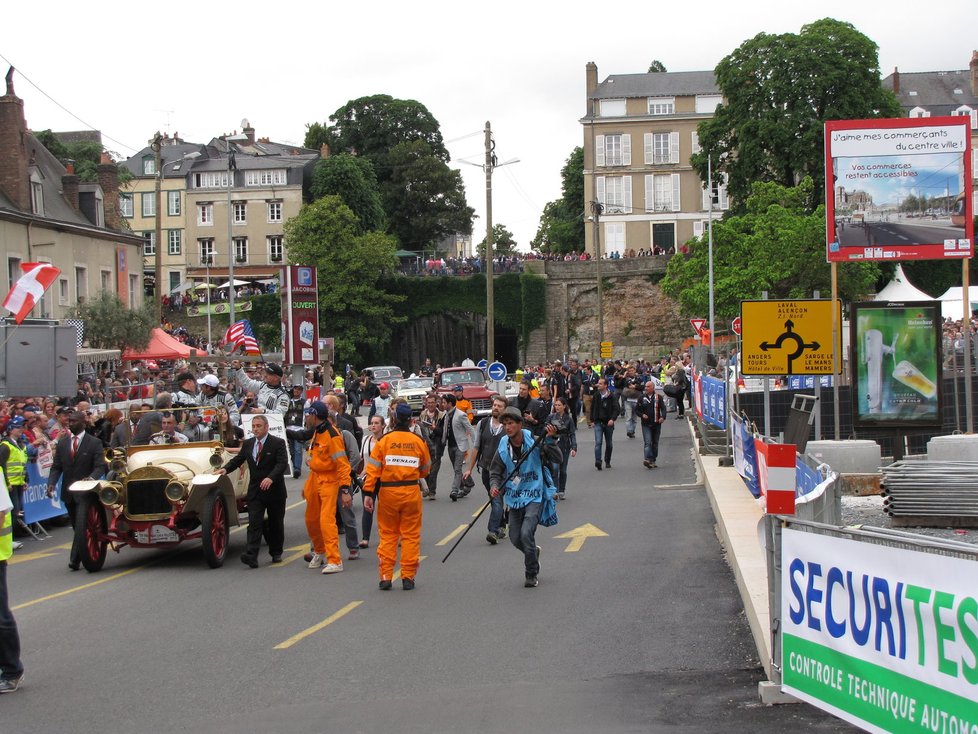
300	314
883	637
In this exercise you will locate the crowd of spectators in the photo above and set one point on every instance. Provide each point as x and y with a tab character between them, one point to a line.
198	296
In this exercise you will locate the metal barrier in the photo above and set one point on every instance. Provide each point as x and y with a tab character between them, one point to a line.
772	529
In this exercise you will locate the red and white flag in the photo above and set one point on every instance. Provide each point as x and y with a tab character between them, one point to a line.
29	288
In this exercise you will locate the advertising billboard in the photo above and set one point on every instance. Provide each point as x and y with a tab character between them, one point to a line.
893	189
300	314
896	364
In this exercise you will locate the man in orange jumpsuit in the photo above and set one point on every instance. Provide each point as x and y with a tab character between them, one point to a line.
329	478
395	467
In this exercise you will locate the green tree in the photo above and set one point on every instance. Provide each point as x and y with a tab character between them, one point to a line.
775	246
84	155
352	308
562	223
423	198
109	324
502	242
351	178
779	90
656	67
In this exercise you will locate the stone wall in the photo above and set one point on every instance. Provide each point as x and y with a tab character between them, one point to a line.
638	318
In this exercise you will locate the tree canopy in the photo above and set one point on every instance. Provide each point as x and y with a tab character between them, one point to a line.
779	90
351	178
502	242
562	222
83	154
656	67
423	199
775	246
110	324
352	308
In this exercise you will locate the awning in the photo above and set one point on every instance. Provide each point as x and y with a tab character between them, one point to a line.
162	346
90	356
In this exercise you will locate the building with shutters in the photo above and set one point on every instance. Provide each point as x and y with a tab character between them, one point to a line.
639	133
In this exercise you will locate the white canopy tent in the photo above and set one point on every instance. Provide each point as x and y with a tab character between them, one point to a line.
901	289
952	307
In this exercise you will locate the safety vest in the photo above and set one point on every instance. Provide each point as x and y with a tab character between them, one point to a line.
16	464
338	382
399	459
6	533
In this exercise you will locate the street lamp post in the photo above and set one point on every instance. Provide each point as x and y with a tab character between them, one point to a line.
231	167
207	271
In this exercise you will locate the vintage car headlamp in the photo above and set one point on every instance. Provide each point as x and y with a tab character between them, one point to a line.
175	492
216	460
116	459
109	495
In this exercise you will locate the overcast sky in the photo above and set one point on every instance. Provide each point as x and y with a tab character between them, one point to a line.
129	69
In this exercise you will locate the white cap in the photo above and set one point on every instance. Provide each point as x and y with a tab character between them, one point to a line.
208	380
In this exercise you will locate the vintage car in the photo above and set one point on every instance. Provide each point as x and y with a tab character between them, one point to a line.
158	496
473	382
414	390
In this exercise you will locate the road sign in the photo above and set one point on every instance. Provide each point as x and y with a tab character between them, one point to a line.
482	364
606	348
735	325
497	371
788	337
698	325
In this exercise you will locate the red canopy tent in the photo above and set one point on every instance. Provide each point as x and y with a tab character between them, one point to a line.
162	346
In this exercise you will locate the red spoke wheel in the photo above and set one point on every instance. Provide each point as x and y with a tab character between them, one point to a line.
90	529
214	529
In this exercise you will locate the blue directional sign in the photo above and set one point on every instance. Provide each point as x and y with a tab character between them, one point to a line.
482	364
497	371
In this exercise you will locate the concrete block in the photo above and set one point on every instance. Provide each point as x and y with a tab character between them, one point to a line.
959	447
859	456
771	694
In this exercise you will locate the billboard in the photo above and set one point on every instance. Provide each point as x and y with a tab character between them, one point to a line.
896	364
893	187
300	315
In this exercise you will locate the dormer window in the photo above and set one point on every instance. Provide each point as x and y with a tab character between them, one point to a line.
149	165
612	107
965	111
662	106
919	112
37	193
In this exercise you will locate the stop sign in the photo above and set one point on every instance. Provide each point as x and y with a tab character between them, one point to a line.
735	325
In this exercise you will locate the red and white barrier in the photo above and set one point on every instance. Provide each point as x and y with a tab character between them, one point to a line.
776	476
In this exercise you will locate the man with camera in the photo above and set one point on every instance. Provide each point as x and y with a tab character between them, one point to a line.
270	396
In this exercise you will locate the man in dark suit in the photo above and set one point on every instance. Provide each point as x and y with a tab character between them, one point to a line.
268	463
78	455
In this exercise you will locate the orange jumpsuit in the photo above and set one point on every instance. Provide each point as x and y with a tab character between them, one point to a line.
465	405
395	466
329	473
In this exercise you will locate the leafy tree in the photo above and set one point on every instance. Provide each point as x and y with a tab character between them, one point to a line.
775	246
656	67
83	154
778	91
502	242
351	178
358	314
562	223
423	198
110	324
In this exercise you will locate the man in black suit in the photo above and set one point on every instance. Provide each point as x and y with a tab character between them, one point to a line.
268	463
78	455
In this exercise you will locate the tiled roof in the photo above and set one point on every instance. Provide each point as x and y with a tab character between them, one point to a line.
661	84
939	92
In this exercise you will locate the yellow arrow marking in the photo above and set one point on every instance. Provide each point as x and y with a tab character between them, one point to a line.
451	536
577	536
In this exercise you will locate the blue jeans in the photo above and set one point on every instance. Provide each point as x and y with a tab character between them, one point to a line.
10	665
298	450
650	433
495	505
603	433
630	416
522	534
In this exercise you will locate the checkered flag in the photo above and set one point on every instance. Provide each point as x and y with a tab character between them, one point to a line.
79	325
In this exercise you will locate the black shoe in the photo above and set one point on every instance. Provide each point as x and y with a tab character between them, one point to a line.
296	474
607	465
249	561
531	582
630	435
386	585
597	465
680	417
453	496
9	685
74	565
407	584
492	539
278	559
647	464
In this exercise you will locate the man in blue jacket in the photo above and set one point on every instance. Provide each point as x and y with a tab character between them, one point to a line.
524	491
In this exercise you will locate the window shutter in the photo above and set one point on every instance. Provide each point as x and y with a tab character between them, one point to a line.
649	194
722	194
675	192
974	126
599	151
648	149
626	149
600	182
626	194
674	147
695	138
698	229
706	199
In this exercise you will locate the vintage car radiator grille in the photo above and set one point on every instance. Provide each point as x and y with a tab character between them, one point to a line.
145	497
482	404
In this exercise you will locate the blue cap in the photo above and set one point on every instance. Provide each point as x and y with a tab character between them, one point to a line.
318	408
403	411
16	422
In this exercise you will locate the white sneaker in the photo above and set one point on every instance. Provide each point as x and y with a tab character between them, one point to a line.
332	568
18	545
317	561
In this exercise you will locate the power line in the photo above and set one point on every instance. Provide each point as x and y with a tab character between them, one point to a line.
56	102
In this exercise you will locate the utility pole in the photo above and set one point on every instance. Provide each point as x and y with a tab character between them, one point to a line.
490	306
157	145
596	210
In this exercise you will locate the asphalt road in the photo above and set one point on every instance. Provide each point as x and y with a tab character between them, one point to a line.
904	232
641	630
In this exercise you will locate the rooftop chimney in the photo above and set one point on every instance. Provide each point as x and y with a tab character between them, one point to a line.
14	181
591	83
248	130
896	80
69	186
108	179
324	150
974	73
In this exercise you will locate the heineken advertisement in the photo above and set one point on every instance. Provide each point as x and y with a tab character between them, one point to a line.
882	637
218	308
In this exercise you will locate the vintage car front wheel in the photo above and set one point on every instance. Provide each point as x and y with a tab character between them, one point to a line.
90	529
214	529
